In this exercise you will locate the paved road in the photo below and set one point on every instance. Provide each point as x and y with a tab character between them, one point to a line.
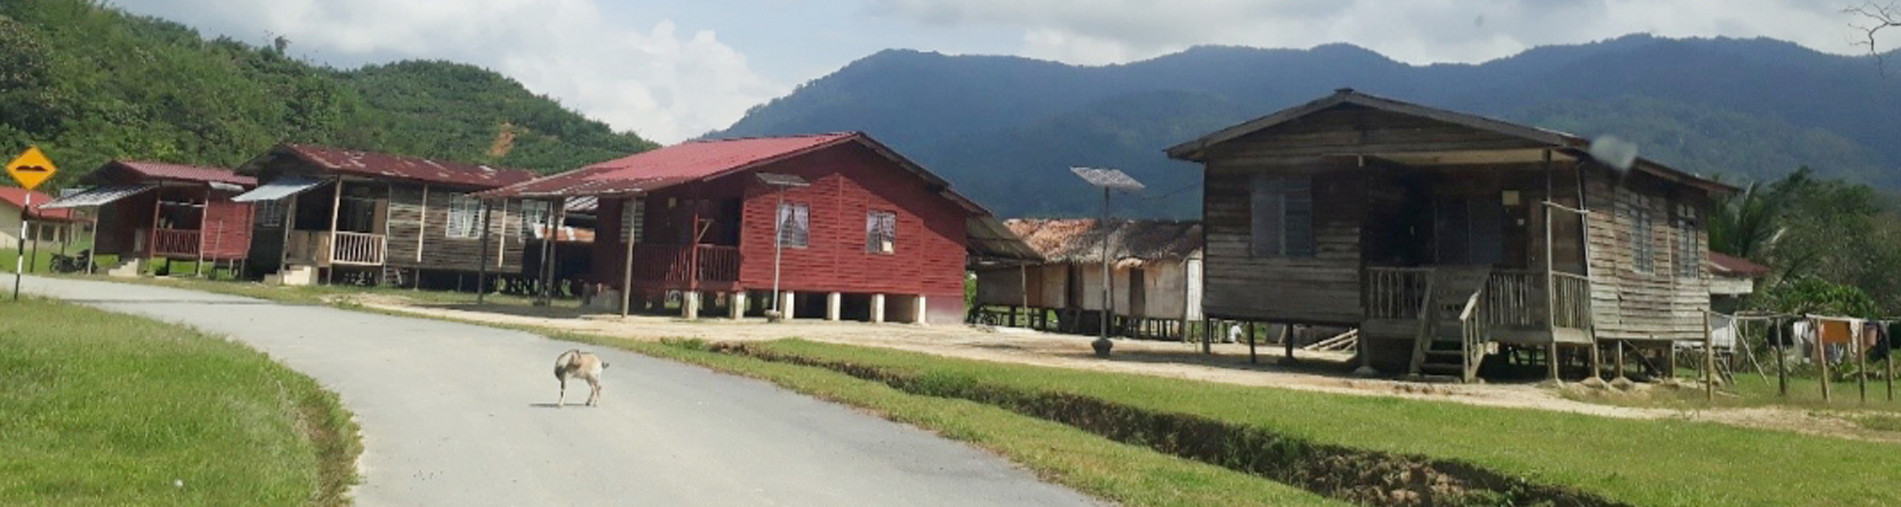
455	414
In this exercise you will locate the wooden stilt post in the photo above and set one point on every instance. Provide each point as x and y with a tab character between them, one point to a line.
1861	358
1619	358
330	253
1597	360
481	258
1821	355
627	262
1709	360
1251	357
1782	369
1287	339
1551	360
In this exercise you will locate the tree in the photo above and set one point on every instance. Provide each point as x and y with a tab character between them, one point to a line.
1746	224
1876	17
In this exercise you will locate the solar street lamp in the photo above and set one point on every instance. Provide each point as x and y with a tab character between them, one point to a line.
1108	180
779	182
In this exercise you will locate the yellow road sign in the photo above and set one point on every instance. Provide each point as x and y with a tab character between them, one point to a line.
31	168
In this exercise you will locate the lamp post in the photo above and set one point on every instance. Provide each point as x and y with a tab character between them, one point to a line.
1108	180
781	182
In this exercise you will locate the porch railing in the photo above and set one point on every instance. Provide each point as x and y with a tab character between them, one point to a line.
1396	293
1515	298
360	248
1473	330
673	263
1572	293
174	242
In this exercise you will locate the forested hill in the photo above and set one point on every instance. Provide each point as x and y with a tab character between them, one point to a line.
1004	129
90	83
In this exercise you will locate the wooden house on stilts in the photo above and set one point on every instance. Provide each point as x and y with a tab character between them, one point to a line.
344	216
842	226
153	210
1448	238
1155	283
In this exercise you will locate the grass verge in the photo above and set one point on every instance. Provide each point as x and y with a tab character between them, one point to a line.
104	408
1644	462
1126	474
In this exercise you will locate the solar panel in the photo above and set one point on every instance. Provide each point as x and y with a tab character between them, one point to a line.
1108	178
782	180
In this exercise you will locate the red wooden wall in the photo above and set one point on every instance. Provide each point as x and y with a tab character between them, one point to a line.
226	231
848	181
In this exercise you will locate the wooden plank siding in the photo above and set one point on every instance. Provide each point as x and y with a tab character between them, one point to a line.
410	218
1627	304
1320	289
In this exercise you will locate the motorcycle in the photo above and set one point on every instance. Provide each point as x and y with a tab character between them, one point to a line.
72	263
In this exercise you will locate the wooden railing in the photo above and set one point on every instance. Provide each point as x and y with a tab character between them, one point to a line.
1514	298
1396	293
360	248
1473	330
672	263
1572	295
174	242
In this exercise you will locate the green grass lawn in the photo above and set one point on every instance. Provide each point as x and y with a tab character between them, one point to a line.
1127	474
110	409
1645	462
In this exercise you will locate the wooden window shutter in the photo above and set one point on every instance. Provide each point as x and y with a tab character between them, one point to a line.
1281	213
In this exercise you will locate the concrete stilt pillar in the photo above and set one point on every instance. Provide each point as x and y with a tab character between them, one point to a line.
786	301
737	305
834	302
877	308
690	305
917	311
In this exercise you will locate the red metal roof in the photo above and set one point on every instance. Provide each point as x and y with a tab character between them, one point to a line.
16	197
176	172
384	165
1724	264
672	165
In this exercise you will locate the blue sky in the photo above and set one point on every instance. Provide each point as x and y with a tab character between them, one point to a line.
672	70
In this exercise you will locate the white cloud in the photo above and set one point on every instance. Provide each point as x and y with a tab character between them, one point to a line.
638	74
1413	31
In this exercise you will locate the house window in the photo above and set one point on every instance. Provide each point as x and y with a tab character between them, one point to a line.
795	220
881	232
1689	255
534	217
631	217
465	217
1643	234
1282	212
270	213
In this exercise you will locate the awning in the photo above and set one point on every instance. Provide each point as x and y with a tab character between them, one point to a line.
991	241
278	189
98	196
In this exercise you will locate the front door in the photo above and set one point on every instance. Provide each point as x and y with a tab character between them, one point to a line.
1469	230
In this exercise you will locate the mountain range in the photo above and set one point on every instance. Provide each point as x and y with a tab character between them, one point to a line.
1004	130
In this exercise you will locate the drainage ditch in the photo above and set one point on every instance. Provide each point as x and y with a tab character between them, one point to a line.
1355	475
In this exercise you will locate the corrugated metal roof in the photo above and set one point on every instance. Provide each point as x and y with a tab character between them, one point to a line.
384	165
178	172
665	167
1728	265
100	196
1130	241
1196	150
278	189
17	197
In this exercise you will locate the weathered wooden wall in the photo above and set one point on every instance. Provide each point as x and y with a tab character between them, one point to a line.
1627	304
418	232
1322	289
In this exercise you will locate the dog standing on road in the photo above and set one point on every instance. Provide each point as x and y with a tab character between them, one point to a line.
575	363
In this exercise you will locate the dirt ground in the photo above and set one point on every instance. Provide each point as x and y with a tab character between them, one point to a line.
1314	371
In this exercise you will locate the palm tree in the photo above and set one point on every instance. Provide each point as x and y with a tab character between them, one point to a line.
1746	224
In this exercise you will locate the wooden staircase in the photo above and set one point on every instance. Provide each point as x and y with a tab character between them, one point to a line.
1450	341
